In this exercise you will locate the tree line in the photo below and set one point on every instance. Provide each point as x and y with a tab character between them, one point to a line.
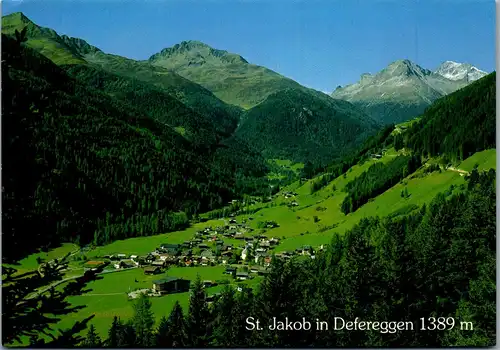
377	179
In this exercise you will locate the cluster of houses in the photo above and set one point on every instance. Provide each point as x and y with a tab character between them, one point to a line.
207	248
254	250
289	194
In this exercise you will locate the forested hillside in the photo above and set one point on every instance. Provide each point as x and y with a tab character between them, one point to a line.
301	126
457	125
95	168
332	131
376	180
65	50
158	104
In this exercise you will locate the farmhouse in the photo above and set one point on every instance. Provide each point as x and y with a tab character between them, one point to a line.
207	254
227	254
254	269
242	275
148	259
307	249
159	263
152	270
207	284
274	241
164	257
123	265
230	270
172	249
227	247
171	285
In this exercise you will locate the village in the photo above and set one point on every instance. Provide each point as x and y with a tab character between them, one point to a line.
248	256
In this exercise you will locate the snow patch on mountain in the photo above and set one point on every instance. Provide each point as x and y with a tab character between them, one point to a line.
460	71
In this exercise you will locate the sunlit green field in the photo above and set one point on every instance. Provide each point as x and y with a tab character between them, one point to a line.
108	297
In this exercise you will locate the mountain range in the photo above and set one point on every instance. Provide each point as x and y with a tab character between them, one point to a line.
220	87
404	89
200	76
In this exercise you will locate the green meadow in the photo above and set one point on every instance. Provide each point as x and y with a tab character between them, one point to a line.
107	297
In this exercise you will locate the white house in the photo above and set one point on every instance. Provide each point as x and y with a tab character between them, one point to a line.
244	254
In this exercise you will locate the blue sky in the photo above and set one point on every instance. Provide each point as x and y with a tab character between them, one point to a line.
320	44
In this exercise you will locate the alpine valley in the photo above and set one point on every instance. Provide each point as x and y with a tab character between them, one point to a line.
163	202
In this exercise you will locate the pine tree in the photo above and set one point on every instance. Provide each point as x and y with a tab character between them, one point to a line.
223	333
143	321
126	336
92	340
162	340
112	341
198	316
172	332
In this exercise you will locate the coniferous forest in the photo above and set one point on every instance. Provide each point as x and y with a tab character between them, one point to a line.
100	169
93	155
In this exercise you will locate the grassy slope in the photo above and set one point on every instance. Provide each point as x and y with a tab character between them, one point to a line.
44	40
227	75
108	297
105	307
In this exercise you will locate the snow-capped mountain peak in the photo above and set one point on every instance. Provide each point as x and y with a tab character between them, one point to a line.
459	71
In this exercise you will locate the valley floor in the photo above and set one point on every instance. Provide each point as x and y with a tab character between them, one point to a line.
312	222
